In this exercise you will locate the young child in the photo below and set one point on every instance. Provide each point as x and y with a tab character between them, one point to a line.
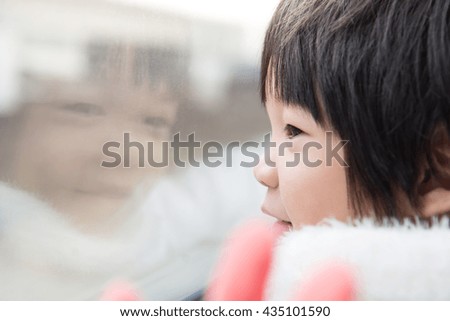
367	84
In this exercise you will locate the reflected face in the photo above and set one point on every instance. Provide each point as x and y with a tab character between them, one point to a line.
59	151
301	194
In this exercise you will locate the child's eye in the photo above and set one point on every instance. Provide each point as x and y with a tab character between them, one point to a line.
156	122
85	109
292	131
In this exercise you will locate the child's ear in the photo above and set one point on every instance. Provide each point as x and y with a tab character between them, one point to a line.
434	189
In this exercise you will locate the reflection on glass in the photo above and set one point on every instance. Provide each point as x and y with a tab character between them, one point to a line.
79	75
57	153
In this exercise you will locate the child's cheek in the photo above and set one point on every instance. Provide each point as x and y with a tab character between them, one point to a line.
311	190
300	193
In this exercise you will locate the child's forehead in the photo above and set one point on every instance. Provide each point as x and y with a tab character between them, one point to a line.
275	100
277	103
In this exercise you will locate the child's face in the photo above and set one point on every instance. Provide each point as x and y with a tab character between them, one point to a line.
302	194
59	152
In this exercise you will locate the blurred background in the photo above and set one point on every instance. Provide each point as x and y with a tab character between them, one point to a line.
77	74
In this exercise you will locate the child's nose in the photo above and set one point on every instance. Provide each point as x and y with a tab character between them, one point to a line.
266	173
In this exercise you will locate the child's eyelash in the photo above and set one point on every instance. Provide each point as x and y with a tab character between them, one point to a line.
292	131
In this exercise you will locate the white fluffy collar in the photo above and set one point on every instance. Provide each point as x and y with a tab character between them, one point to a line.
389	262
42	256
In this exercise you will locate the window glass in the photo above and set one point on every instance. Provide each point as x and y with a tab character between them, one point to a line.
105	111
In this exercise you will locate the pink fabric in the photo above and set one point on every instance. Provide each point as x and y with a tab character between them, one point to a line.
243	269
331	282
120	291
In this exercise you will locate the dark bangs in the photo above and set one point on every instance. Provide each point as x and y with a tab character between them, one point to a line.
287	70
378	71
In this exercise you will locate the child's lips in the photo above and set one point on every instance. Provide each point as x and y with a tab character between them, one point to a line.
273	206
267	212
282	226
280	223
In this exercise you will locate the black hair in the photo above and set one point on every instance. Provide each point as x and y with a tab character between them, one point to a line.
377	71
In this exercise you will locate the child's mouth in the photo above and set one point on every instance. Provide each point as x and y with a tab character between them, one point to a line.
283	225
